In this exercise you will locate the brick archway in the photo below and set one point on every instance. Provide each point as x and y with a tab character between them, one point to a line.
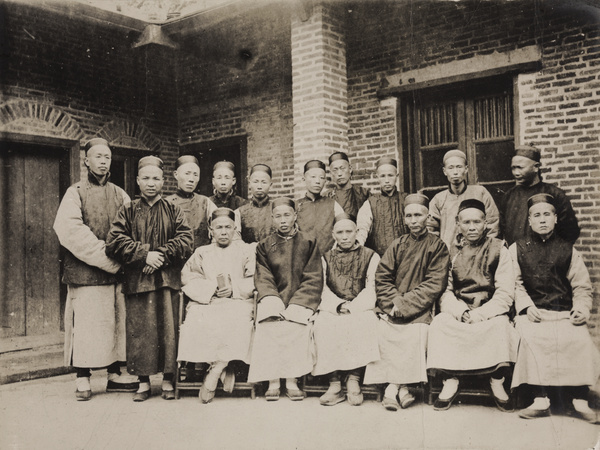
123	133
29	117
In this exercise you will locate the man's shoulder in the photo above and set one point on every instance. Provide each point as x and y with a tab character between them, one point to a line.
552	189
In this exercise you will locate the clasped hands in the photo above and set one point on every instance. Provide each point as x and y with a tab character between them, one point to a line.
576	317
154	261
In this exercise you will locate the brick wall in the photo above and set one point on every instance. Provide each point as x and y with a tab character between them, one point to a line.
235	80
558	106
76	78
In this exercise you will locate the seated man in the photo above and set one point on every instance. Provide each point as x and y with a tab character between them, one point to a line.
289	281
345	330
410	278
218	278
472	334
553	298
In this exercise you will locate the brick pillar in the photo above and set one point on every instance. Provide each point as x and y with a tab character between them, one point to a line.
320	101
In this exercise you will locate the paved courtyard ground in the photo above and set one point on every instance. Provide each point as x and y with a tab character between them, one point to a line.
43	414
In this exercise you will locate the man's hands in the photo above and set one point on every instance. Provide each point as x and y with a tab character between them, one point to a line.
466	317
224	292
533	314
154	261
578	317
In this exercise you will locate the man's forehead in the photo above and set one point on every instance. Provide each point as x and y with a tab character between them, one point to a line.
315	171
99	148
150	171
188	167
339	163
281	209
414	208
542	207
344	224
522	161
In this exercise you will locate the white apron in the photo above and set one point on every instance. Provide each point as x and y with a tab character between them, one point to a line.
555	352
454	345
402	349
345	342
94	326
281	350
220	331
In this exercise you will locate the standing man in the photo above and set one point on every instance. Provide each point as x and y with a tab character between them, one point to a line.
152	239
197	208
514	212
289	281
380	220
224	186
95	309
315	212
557	357
443	208
255	216
349	196
410	278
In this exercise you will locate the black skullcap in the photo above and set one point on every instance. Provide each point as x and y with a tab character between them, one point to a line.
344	216
224	164
283	201
261	168
416	199
528	152
95	141
185	159
338	155
540	198
222	212
386	160
150	161
471	203
314	164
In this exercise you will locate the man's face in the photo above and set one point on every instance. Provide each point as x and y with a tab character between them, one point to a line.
314	179
284	218
415	218
340	172
386	174
524	170
187	176
344	233
455	169
260	184
542	218
150	180
222	229
98	159
471	223
223	180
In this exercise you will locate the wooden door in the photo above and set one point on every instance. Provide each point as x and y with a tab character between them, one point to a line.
32	179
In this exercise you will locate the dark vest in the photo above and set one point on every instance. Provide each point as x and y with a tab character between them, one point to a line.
544	267
194	208
351	199
99	207
317	217
230	201
388	220
347	271
473	271
256	220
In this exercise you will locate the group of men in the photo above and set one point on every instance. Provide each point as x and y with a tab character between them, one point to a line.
363	288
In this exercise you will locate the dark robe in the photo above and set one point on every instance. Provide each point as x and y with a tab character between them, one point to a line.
195	208
388	220
152	301
544	268
317	217
514	212
412	275
351	199
230	201
289	268
256	220
347	271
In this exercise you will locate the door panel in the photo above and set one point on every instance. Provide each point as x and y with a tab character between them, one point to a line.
31	295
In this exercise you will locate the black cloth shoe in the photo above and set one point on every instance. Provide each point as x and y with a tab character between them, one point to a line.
444	404
112	386
141	396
